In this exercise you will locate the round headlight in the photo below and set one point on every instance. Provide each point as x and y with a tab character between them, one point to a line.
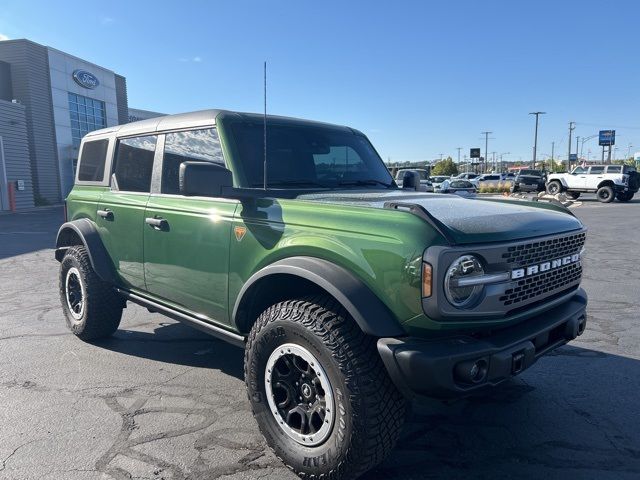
457	293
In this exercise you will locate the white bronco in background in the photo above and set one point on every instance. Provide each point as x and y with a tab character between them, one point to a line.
606	181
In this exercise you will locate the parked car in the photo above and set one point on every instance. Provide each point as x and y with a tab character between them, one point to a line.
529	180
348	295
492	179
423	175
464	188
606	181
437	180
471	177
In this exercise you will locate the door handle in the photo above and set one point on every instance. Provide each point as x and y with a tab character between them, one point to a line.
157	223
106	214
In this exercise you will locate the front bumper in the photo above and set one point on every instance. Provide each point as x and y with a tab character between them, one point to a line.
443	368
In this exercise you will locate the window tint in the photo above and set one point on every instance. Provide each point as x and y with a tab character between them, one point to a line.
308	156
579	171
134	162
192	145
92	161
614	169
596	171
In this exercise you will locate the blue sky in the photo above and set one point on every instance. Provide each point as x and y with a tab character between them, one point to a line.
419	78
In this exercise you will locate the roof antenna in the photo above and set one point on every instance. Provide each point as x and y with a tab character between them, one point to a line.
265	127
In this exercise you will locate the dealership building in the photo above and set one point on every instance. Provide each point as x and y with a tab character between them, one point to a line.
48	101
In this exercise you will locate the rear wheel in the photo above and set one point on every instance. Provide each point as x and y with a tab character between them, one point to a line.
573	195
624	196
605	194
319	391
554	187
91	307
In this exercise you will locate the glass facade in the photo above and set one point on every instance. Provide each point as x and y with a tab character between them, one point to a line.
87	115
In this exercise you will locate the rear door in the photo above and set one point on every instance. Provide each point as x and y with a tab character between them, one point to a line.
120	217
595	176
187	255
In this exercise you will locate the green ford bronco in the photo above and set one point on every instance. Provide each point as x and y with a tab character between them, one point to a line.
349	294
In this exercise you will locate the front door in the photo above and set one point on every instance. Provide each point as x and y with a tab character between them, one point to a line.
186	239
121	210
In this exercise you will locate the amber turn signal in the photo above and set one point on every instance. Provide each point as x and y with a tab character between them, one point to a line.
426	280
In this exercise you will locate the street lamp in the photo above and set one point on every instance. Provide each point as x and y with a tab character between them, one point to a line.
501	155
585	140
535	138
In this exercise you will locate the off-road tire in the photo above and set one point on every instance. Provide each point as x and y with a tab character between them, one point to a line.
554	187
369	411
624	196
102	305
573	195
605	194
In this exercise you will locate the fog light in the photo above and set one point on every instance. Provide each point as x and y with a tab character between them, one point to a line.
472	371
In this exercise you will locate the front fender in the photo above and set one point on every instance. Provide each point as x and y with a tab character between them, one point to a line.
369	312
84	232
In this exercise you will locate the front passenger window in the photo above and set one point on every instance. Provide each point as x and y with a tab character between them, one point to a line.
191	145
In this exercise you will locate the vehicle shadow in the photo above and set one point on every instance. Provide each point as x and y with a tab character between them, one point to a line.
570	416
26	232
180	345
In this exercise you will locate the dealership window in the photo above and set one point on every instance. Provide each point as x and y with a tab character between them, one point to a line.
86	114
134	164
191	145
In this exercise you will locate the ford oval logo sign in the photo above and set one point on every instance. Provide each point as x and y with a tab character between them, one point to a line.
85	79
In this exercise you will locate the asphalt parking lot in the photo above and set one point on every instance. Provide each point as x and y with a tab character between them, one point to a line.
160	400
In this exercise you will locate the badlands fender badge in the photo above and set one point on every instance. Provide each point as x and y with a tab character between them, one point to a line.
240	232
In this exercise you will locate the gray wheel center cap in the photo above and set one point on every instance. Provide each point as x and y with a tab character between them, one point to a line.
306	390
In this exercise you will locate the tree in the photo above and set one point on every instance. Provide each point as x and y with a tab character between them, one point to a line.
445	167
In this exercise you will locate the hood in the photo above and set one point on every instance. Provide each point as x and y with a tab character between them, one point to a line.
467	220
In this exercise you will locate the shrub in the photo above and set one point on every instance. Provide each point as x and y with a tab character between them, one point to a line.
502	187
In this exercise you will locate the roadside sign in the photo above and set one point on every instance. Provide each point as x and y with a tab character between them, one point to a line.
573	157
607	137
474	153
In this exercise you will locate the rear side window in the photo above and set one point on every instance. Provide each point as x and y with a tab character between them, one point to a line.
92	161
192	145
614	169
596	171
134	163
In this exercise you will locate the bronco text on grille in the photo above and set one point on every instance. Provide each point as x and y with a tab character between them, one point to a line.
546	267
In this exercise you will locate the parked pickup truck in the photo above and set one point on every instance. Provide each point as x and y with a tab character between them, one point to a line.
348	294
606	181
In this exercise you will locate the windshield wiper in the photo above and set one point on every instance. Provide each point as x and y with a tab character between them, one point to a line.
366	182
293	183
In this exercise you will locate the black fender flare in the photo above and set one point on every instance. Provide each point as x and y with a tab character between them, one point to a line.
370	313
87	232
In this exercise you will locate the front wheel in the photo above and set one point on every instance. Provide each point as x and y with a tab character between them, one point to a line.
554	187
319	391
605	194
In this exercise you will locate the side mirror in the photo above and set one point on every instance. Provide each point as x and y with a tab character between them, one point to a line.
411	181
204	179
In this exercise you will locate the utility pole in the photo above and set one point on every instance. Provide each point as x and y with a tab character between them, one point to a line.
535	139
572	126
577	149
494	161
553	146
486	148
458	148
441	155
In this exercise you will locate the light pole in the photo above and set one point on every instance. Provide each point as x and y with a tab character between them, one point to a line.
535	138
458	148
501	165
486	148
585	140
572	126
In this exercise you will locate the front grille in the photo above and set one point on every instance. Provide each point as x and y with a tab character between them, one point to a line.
544	250
545	283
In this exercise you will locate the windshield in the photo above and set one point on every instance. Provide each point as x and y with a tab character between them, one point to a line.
301	156
535	173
